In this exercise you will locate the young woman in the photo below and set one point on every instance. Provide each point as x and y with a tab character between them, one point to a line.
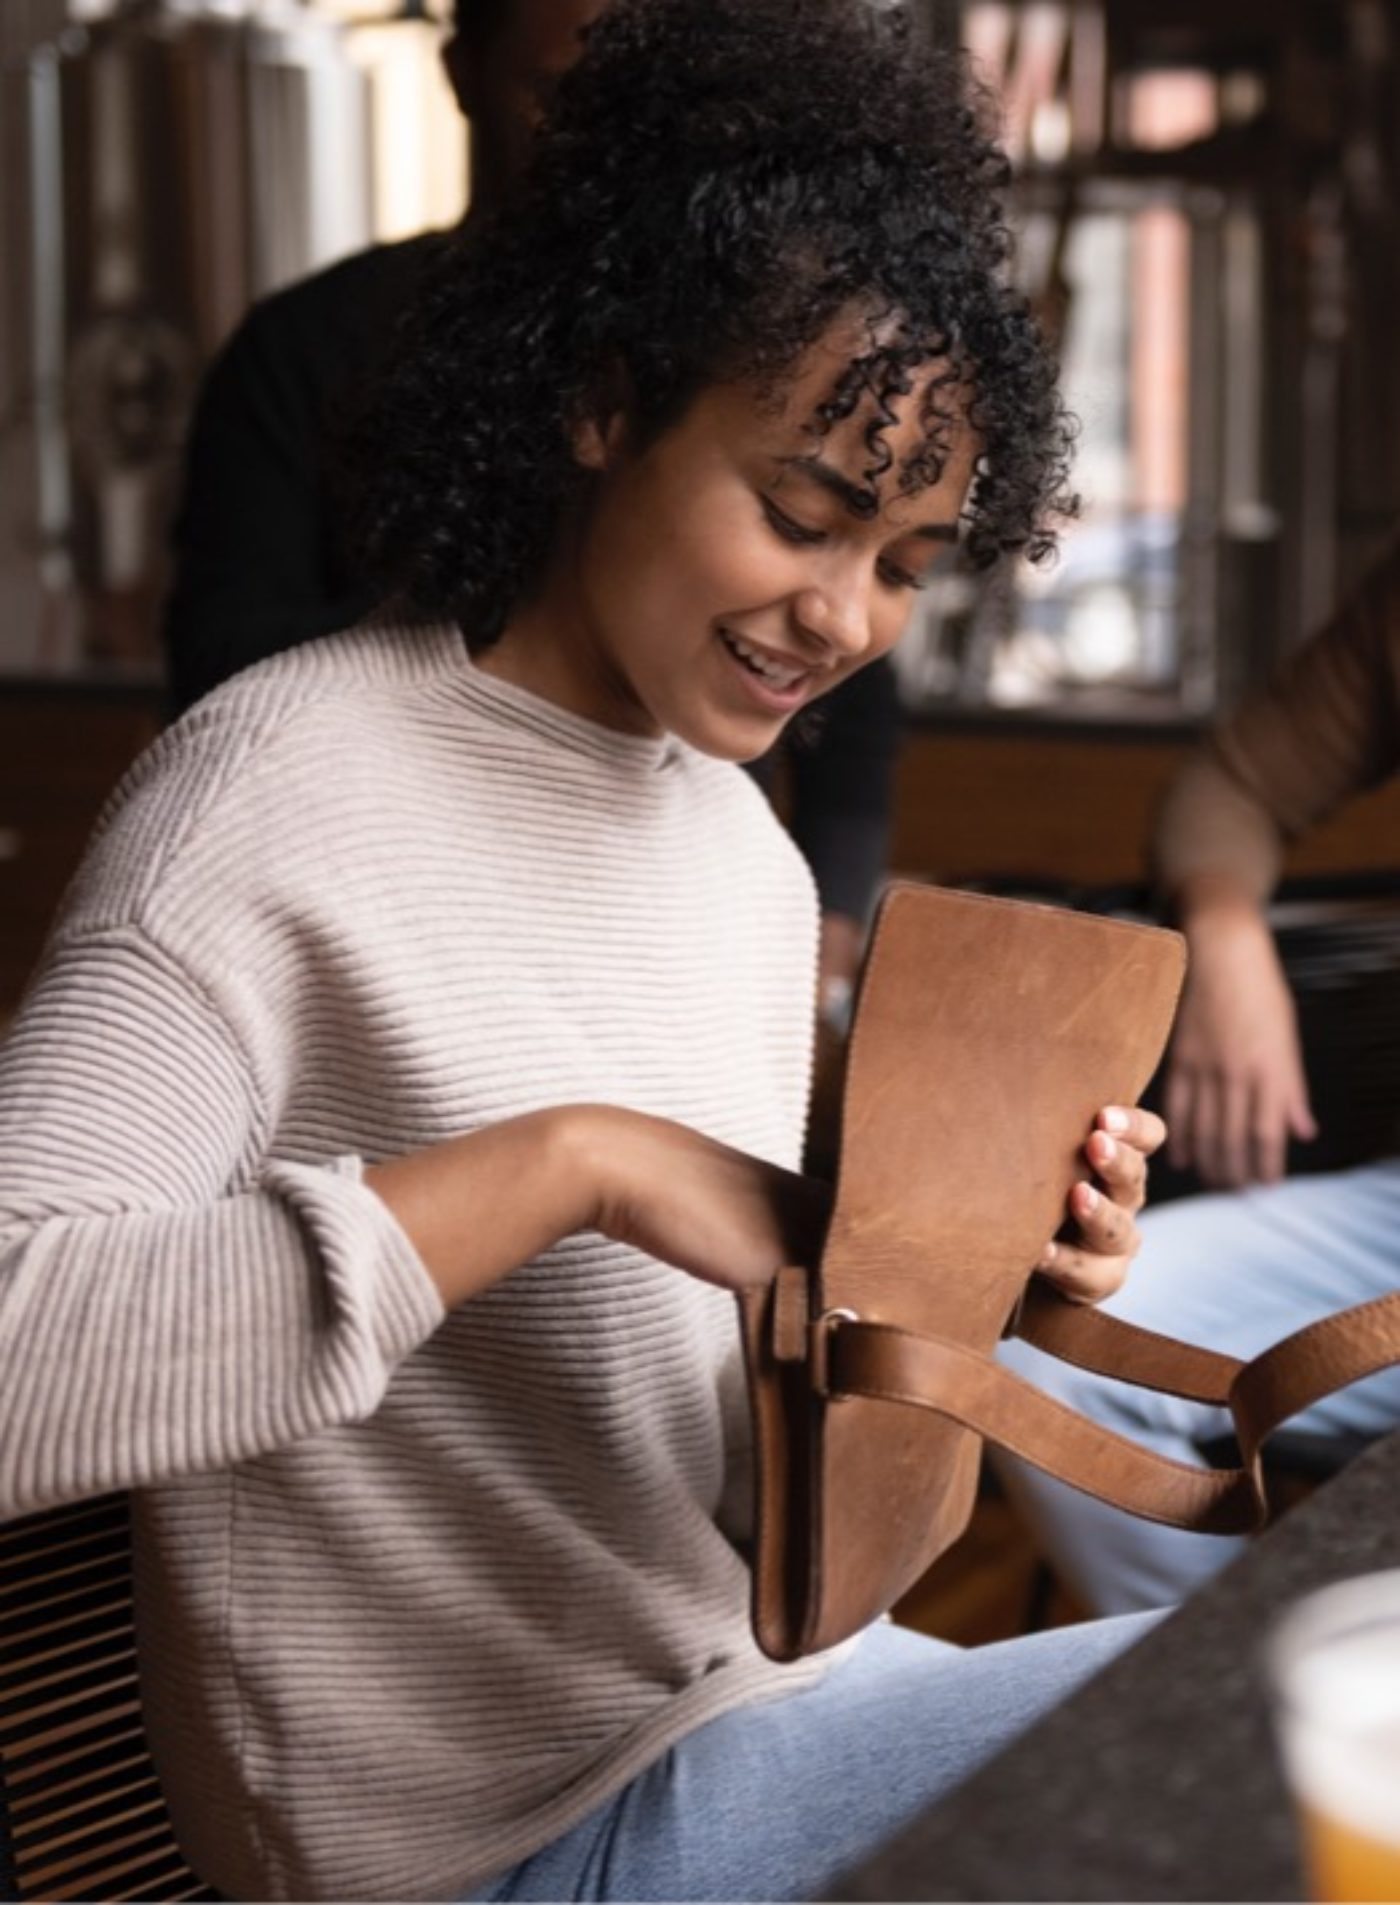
420	1060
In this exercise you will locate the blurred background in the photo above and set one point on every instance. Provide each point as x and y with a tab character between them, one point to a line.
1207	209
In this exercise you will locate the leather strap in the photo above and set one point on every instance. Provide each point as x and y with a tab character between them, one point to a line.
889	1364
1324	1356
1093	1340
895	1365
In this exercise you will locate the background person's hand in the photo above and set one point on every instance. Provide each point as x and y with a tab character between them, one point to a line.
720	1214
1236	1089
1090	1259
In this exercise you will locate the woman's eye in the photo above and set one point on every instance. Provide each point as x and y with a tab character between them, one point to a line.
787	528
896	578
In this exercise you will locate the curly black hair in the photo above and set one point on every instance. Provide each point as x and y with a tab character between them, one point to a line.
716	182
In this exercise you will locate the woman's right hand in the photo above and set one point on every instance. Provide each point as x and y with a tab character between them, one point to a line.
722	1215
1236	1088
477	1207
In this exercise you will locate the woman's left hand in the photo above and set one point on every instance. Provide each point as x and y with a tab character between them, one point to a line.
1090	1260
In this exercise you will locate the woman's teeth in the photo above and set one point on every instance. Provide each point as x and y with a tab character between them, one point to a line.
772	671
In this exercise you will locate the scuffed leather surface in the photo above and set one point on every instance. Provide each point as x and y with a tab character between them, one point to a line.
988	1034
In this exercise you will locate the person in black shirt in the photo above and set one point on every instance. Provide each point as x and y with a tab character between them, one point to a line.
262	561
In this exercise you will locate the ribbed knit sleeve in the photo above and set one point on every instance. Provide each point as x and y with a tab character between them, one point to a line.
168	1303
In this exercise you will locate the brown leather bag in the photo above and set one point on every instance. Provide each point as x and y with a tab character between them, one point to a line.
988	1034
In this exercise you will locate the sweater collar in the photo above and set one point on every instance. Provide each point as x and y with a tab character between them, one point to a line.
513	706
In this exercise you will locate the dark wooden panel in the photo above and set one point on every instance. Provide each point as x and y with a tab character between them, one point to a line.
61	752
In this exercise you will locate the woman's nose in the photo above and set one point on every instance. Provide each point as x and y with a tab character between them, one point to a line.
836	614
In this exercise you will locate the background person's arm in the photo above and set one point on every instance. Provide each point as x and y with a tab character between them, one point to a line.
263	559
1327	728
842	804
842	794
249	540
1236	1088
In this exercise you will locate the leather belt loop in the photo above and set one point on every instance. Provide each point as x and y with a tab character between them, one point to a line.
792	1314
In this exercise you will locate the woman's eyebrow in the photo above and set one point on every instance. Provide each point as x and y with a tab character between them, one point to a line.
857	498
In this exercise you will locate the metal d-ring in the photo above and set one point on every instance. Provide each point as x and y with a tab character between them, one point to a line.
821	1338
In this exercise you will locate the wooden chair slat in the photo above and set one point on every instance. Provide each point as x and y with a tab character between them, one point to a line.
81	1811
77	1816
30	1770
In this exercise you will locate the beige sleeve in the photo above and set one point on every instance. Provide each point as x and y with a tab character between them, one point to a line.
1326	728
155	1321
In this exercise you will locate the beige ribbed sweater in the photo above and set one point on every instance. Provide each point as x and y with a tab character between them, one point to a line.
414	1593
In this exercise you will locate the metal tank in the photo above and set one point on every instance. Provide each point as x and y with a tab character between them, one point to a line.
161	164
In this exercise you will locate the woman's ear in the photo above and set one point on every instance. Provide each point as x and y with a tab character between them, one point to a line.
598	441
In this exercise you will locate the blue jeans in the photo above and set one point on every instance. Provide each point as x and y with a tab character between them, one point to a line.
1234	1272
776	1801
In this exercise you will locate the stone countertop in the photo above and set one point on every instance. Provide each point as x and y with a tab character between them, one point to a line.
1158	1780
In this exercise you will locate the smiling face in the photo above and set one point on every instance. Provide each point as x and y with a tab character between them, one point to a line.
719	579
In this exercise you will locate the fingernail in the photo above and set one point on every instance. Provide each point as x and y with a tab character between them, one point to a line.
1107	1149
1050	1252
1115	1120
1089	1197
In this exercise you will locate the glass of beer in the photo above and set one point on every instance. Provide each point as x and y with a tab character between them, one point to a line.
1335	1661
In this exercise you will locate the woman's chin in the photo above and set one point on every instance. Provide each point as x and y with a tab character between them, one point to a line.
728	740
711	726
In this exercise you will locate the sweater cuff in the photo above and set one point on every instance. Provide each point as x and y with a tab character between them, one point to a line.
372	1270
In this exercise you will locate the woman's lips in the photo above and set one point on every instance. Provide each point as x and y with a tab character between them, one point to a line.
776	686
